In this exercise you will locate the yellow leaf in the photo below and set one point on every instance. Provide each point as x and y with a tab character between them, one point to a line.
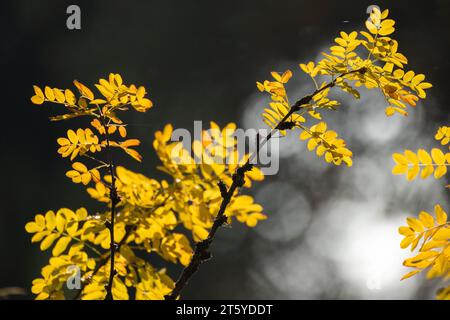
425	85
424	157
405	231
60	222
199	233
389	111
94	291
70	97
32	227
72	227
61	246
49	94
408	76
85	91
441	215
37	99
276	76
119	290
384	31
442	234
410	274
72	136
415	224
50	220
399	158
304	67
417	79
399	169
411	156
79	167
312	144
48	241
427	219
438	156
59	95
38	92
406	241
371	27
413	172
86	178
426	171
98	101
440	172
286	76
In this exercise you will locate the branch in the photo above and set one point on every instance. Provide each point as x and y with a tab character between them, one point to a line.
202	253
104	261
114	197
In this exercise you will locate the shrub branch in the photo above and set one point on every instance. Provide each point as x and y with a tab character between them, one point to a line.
202	253
114	198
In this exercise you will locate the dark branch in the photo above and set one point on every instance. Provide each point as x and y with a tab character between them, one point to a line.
202	253
114	197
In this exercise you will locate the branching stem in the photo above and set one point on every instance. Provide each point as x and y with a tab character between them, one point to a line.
114	201
202	253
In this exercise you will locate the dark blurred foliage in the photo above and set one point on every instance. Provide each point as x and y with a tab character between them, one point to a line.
198	60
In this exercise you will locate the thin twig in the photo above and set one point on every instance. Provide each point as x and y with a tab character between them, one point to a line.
201	253
114	197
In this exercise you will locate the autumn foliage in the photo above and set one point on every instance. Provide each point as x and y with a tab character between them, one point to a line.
429	234
143	216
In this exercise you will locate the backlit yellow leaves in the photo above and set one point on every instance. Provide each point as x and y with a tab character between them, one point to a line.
347	44
400	88
78	142
149	211
284	78
53	95
377	26
83	141
443	135
310	68
382	67
422	162
81	174
94	291
327	144
280	103
415	82
39	96
387	27
59	270
115	96
119	290
176	247
245	211
62	226
149	208
72	231
197	209
84	91
395	84
277	112
432	236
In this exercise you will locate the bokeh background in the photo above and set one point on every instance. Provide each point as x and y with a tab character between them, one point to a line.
331	232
